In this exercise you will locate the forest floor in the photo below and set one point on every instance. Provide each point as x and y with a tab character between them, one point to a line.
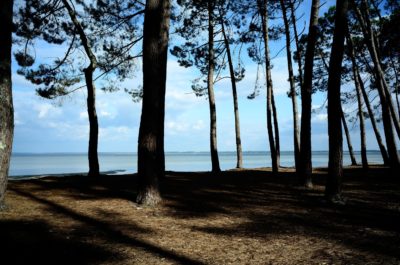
237	217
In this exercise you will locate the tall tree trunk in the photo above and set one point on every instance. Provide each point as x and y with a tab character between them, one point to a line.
333	189
296	38
155	48
239	155
210	87
6	102
262	5
306	100
94	169
349	145
364	158
296	135
276	128
385	98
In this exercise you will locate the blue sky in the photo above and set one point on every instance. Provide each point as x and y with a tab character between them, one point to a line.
62	126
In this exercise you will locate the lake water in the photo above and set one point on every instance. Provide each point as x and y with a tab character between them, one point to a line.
117	163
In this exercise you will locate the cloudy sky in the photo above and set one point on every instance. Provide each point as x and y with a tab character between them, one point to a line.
62	126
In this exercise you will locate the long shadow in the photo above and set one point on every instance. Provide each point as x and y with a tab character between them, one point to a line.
83	187
110	233
35	242
363	224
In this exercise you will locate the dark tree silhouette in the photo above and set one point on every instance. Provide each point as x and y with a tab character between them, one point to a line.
151	158
306	100
292	93
273	130
333	189
6	103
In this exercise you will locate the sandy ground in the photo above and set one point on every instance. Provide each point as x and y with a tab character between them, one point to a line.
237	217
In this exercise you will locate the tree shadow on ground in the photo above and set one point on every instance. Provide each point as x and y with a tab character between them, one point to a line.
271	205
37	243
89	225
274	205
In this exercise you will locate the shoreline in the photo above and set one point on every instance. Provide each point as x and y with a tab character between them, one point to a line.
122	172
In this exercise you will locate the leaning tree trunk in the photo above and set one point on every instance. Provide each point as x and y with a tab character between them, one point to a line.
349	145
333	189
210	87
239	155
155	47
374	123
6	103
94	169
385	99
262	5
306	100
364	158
359	81
379	71
296	136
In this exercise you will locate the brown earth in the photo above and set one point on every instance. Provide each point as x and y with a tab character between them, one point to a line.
237	217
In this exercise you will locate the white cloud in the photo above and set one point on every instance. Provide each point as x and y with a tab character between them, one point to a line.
319	118
45	110
83	115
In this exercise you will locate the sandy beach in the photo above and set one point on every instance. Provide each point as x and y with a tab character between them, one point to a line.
237	217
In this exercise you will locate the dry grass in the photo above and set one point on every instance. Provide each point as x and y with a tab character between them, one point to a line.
237	217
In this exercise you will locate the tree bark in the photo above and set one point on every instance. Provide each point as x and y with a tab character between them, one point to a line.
276	128
349	145
296	38
155	47
262	5
385	98
6	102
94	169
364	158
210	87
306	100
239	155
333	190
296	135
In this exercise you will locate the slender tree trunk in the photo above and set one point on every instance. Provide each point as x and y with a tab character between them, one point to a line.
296	135
94	169
210	86
349	145
371	114
155	50
364	158
276	128
385	99
374	123
306	100
239	155
6	102
333	189
296	38
262	5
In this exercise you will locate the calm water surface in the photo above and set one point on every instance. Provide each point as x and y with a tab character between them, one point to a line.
116	163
